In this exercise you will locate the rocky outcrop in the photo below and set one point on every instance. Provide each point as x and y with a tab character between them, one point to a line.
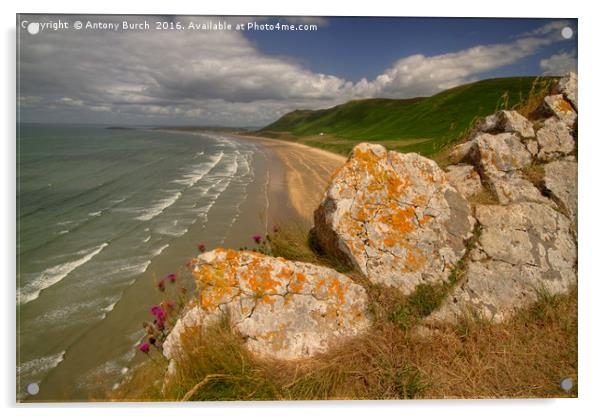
395	217
527	244
523	249
282	309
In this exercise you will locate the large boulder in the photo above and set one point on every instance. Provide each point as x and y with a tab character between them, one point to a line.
554	139
561	179
524	249
282	309
395	217
567	86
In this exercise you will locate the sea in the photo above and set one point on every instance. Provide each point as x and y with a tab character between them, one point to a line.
102	214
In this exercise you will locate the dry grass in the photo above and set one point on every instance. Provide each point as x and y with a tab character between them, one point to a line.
524	357
539	89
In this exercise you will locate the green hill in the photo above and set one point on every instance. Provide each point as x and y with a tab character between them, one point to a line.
423	125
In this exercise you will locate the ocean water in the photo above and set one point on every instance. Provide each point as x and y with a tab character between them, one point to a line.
101	210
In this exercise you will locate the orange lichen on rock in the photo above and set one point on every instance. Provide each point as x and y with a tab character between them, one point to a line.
389	214
281	308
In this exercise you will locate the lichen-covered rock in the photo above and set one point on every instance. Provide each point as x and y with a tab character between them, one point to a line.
567	86
561	179
523	248
282	309
505	121
497	155
556	105
554	139
395	217
465	179
515	188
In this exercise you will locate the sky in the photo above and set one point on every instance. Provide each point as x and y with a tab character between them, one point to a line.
249	78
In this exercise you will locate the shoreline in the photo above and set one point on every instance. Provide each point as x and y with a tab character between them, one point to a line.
308	170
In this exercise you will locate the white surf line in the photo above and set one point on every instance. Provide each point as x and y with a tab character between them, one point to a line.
52	276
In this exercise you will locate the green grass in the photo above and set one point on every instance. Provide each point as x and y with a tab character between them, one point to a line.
423	125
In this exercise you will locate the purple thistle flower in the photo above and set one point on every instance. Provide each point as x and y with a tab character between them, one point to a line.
257	238
161	285
158	312
171	277
144	347
201	247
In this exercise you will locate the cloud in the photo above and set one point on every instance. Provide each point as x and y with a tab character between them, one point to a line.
560	63
216	77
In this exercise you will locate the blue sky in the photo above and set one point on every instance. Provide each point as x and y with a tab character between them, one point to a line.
250	78
357	47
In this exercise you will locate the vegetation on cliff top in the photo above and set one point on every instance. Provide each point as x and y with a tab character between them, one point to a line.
422	125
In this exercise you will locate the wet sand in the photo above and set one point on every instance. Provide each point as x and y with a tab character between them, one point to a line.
308	172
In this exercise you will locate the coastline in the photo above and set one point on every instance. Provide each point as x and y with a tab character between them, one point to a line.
308	170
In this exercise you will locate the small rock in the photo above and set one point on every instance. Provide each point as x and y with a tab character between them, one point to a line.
461	151
568	87
556	105
528	247
506	122
395	217
496	155
561	179
283	309
554	139
465	179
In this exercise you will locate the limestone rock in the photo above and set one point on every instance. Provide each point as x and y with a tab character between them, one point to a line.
567	86
506	122
554	139
395	217
514	188
556	105
283	309
561	179
465	179
524	248
496	155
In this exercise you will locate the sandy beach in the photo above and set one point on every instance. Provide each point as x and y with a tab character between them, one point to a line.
308	171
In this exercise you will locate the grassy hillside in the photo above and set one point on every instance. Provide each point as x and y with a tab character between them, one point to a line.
423	125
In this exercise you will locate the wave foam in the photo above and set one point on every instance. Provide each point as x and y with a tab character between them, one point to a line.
163	204
53	275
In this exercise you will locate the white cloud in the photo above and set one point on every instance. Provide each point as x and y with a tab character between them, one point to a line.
559	64
220	77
